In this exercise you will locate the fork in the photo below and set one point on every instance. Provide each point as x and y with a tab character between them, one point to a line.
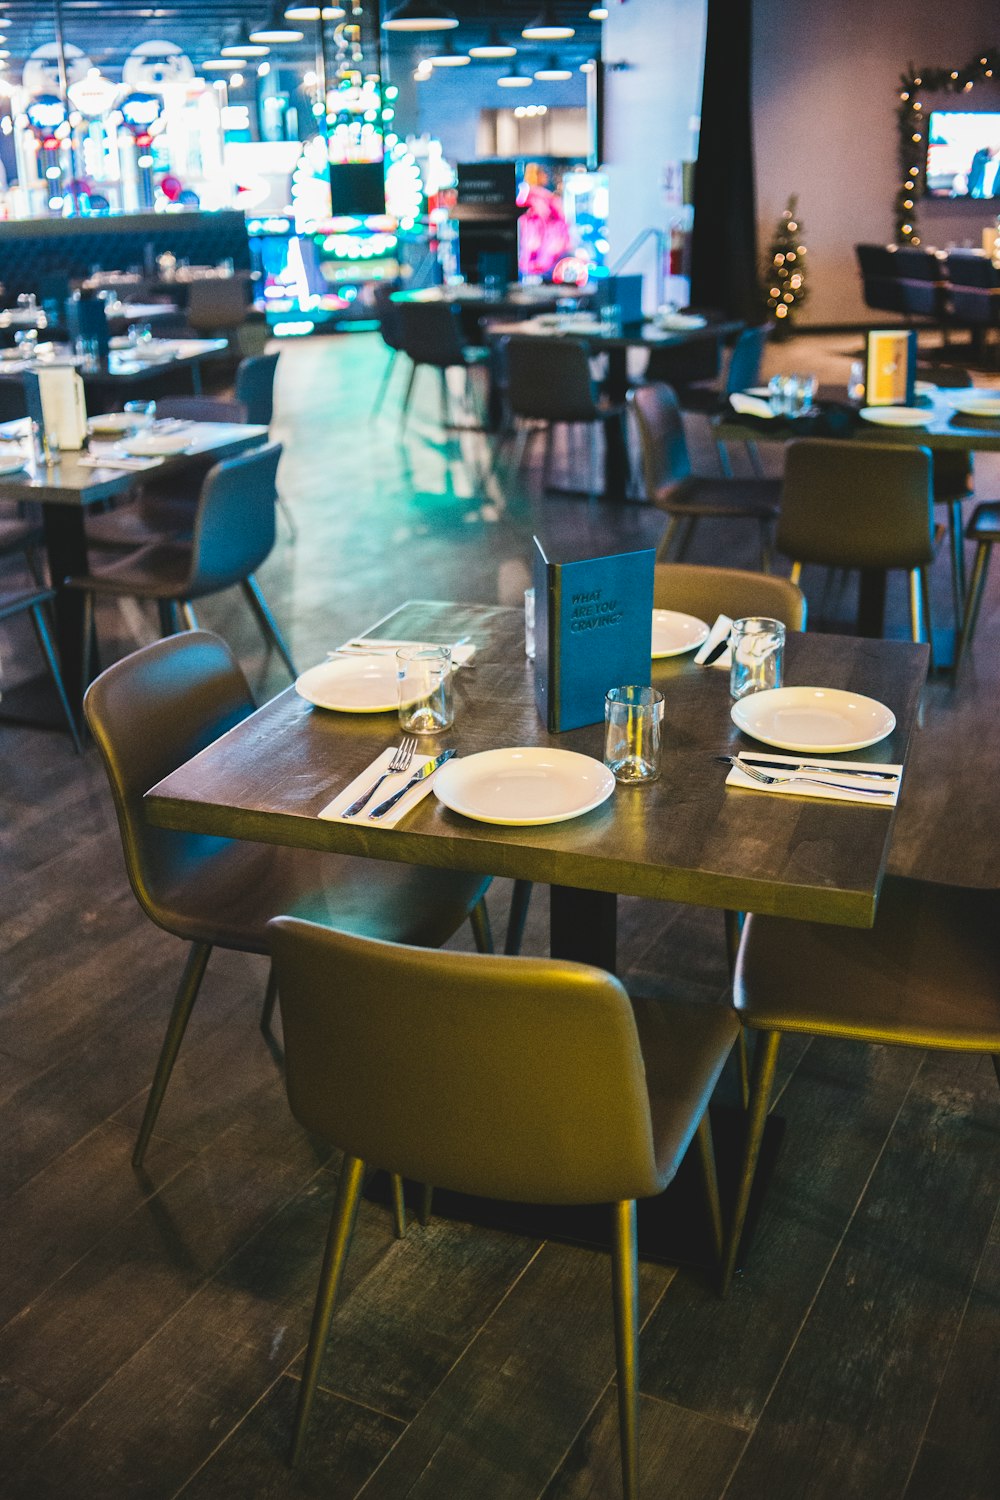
400	762
766	780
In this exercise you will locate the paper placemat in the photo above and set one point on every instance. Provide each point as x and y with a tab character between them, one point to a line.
333	811
821	768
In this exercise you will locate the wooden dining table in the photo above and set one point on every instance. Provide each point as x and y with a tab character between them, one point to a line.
687	837
66	490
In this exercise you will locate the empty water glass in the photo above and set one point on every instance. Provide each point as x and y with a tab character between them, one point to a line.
426	703
856	381
633	717
800	393
143	411
778	394
758	647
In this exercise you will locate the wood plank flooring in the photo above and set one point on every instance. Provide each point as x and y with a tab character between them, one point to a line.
152	1325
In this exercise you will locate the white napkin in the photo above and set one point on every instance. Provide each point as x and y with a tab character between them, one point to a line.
680	321
718	632
822	769
376	646
108	459
751	406
333	811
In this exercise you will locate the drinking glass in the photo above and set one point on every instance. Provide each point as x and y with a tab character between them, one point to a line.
800	392
778	394
146	410
856	381
758	646
632	731
426	703
529	624
611	319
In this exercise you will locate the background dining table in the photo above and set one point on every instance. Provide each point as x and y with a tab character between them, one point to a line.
686	837
126	369
65	490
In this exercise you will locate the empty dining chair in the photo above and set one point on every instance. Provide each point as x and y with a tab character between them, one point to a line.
217	305
514	1078
233	534
685	497
549	381
432	338
254	387
924	976
984	530
861	505
742	371
151	712
390	327
708	592
34	602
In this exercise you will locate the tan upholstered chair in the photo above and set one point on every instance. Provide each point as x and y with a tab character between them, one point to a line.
149	714
513	1078
926	975
709	592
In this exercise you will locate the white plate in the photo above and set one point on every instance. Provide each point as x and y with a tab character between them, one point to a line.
11	465
352	685
523	787
896	416
811	720
674	633
114	421
148	444
978	406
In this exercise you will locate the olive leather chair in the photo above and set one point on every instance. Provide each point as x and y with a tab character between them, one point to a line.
234	531
926	975
516	1078
685	497
708	592
861	505
151	712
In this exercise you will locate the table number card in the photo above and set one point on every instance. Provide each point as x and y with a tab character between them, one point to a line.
890	367
593	631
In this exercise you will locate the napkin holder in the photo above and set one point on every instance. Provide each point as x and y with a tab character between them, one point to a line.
593	631
55	400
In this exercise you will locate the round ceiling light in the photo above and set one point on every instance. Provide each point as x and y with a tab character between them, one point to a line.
449	57
420	15
313	13
275	30
546	27
515	80
552	72
494	46
244	48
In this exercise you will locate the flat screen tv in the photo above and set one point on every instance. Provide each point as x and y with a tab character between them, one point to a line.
357	187
963	154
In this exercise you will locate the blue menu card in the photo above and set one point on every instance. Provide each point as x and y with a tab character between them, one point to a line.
593	631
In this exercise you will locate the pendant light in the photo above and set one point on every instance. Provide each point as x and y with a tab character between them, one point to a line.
295	12
552	72
494	46
276	29
515	79
420	15
244	48
449	56
546	27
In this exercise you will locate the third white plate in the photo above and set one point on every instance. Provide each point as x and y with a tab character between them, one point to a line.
524	786
896	416
825	721
674	633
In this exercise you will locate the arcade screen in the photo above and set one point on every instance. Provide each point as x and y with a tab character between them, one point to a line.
358	188
963	154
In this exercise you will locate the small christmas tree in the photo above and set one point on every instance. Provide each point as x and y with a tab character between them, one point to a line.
786	271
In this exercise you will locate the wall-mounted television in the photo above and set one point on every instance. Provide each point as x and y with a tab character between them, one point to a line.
963	154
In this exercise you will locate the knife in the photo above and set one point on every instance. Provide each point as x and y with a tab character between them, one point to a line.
790	768
427	769
715	652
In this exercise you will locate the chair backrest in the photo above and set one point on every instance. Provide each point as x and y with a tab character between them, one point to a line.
432	333
234	528
683	364
201	409
148	714
662	442
511	1077
965	268
255	387
746	358
709	592
857	504
390	317
881	281
216	303
549	380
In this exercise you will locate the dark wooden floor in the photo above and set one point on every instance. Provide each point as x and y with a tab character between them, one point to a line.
152	1326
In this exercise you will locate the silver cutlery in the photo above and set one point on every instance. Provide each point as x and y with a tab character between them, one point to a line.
427	769
376	648
400	762
788	769
766	780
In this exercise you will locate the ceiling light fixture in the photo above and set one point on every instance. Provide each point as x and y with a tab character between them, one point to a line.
546	27
313	13
244	48
598	13
515	79
420	15
494	46
552	72
219	64
449	57
275	30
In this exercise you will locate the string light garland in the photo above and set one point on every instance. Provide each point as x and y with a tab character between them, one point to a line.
786	270
912	127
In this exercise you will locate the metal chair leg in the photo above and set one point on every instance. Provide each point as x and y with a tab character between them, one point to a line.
956	545
687	538
724	463
187	994
796	572
398	1205
925	606
188	615
520	899
667	539
267	622
445	404
734	929
753	454
766	546
404	410
426	1203
996	1065
37	613
973	600
479	918
88	641
706	1158
384	383
625	1295
270	996
285	511
338	1243
764	1064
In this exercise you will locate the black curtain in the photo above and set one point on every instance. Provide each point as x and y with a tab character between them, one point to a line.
724	240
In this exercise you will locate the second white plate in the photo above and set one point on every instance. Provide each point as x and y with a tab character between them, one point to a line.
353	685
674	633
978	406
825	721
896	416
523	787
147	444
